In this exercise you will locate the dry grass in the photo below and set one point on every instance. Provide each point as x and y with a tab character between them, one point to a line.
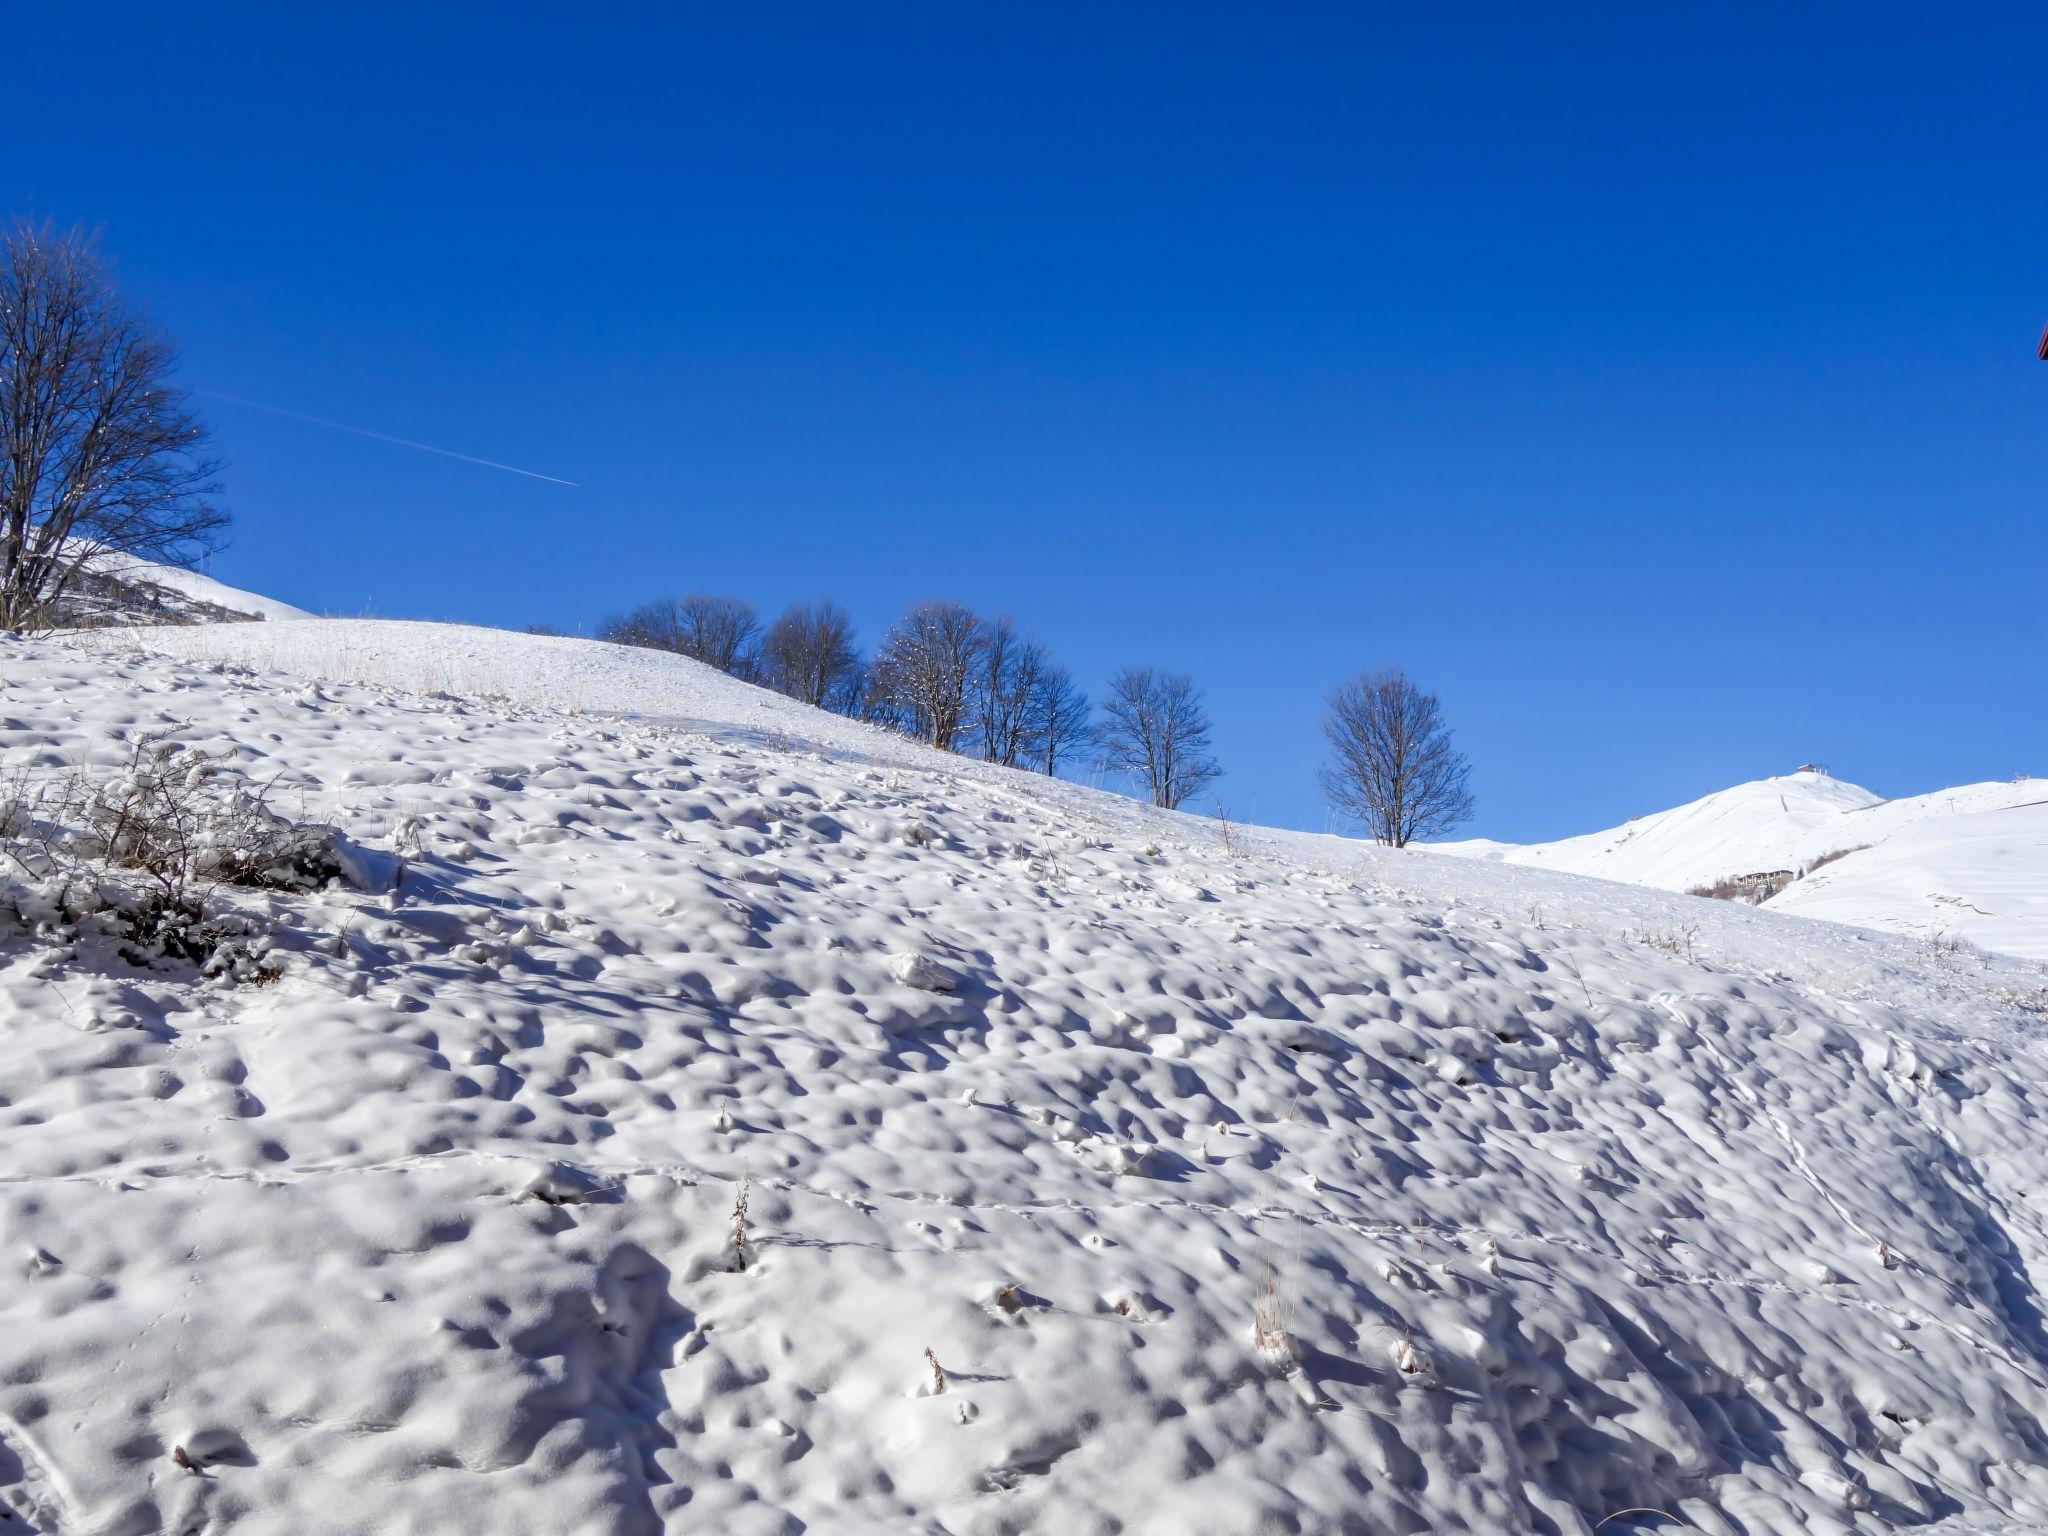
741	1244
2033	1002
1272	1310
1952	949
1670	941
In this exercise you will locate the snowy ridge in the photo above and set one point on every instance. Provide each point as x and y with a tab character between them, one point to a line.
1968	863
1038	1100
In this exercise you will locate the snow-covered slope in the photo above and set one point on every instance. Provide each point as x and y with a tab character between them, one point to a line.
1566	1197
199	588
1980	875
1968	863
1750	828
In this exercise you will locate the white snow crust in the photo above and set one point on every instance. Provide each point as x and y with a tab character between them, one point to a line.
1549	1197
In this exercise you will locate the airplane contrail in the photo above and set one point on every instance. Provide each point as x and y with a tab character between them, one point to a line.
382	437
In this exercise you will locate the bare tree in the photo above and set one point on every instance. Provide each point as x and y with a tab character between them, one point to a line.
718	631
809	653
1007	681
1392	764
721	632
922	673
99	455
655	626
876	701
1154	726
1059	719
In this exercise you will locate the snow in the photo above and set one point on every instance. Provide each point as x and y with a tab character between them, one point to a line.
1969	863
1570	1196
200	588
1979	875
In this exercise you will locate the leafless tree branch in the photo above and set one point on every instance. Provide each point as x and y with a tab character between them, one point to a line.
100	455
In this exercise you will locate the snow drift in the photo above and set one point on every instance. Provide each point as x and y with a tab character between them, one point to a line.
733	1119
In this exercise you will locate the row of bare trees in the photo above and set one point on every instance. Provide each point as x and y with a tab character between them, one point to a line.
943	674
956	680
102	458
951	678
964	683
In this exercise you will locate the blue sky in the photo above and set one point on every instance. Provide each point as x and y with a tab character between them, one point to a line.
1656	383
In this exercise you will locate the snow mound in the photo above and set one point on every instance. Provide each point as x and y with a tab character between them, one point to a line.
1965	863
732	1119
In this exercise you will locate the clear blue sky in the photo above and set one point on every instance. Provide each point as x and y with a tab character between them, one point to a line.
1655	382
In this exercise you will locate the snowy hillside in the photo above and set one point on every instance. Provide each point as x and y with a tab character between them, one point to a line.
198	588
1968	863
705	1114
114	589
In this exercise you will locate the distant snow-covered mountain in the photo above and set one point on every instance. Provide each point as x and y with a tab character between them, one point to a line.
1969	863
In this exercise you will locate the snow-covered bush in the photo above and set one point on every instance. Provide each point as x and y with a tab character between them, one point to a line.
138	856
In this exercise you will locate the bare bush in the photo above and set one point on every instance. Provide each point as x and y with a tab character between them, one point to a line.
99	455
139	855
809	654
1393	766
718	631
1952	949
1154	728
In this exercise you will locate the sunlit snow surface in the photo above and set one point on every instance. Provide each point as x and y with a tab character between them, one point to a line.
1968	863
1660	1202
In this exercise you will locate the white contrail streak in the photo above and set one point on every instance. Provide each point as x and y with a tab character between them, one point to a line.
382	437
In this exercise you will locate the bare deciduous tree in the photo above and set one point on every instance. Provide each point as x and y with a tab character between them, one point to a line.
1059	719
809	654
718	631
655	626
99	454
1154	726
1007	681
1393	765
922	674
